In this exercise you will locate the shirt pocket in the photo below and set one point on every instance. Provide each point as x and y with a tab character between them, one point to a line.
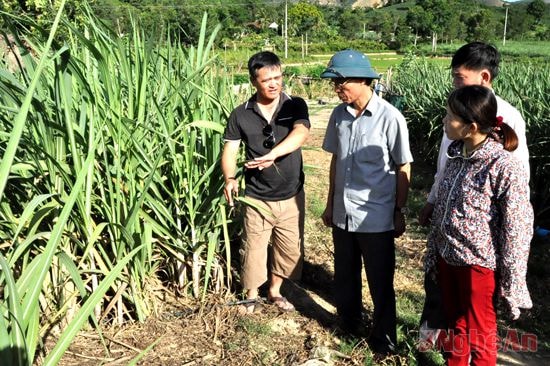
286	121
371	148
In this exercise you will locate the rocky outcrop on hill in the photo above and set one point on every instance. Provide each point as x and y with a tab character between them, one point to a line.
492	2
369	3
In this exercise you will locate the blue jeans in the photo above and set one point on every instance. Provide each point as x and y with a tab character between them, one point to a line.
377	251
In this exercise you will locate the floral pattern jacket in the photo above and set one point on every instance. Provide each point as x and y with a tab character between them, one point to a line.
482	216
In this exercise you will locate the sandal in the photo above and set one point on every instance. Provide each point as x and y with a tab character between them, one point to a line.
250	307
282	303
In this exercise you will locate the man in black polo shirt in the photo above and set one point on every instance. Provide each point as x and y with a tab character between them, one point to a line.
273	126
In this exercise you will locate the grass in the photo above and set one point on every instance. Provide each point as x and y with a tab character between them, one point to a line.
254	328
523	49
316	206
381	63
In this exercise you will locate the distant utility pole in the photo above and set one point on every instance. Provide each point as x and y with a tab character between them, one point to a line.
506	5
286	28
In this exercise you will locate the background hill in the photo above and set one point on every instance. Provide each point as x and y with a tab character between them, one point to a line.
324	25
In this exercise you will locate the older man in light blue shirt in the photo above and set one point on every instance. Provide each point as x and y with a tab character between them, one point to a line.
369	182
367	149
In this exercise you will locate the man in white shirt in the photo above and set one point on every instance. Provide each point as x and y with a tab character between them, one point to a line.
477	63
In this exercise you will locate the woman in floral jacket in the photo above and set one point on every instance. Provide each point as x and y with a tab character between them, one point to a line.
481	227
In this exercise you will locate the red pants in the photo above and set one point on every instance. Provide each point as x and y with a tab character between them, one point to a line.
468	300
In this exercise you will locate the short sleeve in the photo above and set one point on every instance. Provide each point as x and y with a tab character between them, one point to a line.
398	141
330	142
301	112
232	130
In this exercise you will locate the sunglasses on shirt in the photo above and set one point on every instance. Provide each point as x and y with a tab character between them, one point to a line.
269	142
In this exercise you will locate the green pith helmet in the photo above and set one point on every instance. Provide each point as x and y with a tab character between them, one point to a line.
349	64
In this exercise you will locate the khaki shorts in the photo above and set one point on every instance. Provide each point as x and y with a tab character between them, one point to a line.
280	223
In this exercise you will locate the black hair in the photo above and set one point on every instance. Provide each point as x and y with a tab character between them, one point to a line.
476	103
262	59
477	56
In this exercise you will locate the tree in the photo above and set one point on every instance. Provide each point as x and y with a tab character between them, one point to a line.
383	23
480	26
456	27
352	22
43	11
519	23
419	20
440	12
402	34
304	18
387	27
536	8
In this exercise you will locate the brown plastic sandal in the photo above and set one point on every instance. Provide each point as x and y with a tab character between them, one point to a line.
282	303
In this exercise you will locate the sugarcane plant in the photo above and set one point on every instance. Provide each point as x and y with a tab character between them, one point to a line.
110	184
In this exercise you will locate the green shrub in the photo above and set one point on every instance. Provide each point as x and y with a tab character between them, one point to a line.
240	79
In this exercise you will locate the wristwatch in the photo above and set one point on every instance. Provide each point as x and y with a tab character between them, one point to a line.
404	210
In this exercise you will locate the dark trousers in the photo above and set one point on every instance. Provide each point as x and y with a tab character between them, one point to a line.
432	312
377	251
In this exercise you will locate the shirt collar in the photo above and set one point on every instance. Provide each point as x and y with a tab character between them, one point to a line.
252	101
456	149
372	107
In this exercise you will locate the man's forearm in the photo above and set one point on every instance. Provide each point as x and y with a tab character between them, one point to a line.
293	141
229	160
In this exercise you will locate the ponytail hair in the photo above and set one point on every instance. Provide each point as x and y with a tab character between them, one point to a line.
505	135
476	103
